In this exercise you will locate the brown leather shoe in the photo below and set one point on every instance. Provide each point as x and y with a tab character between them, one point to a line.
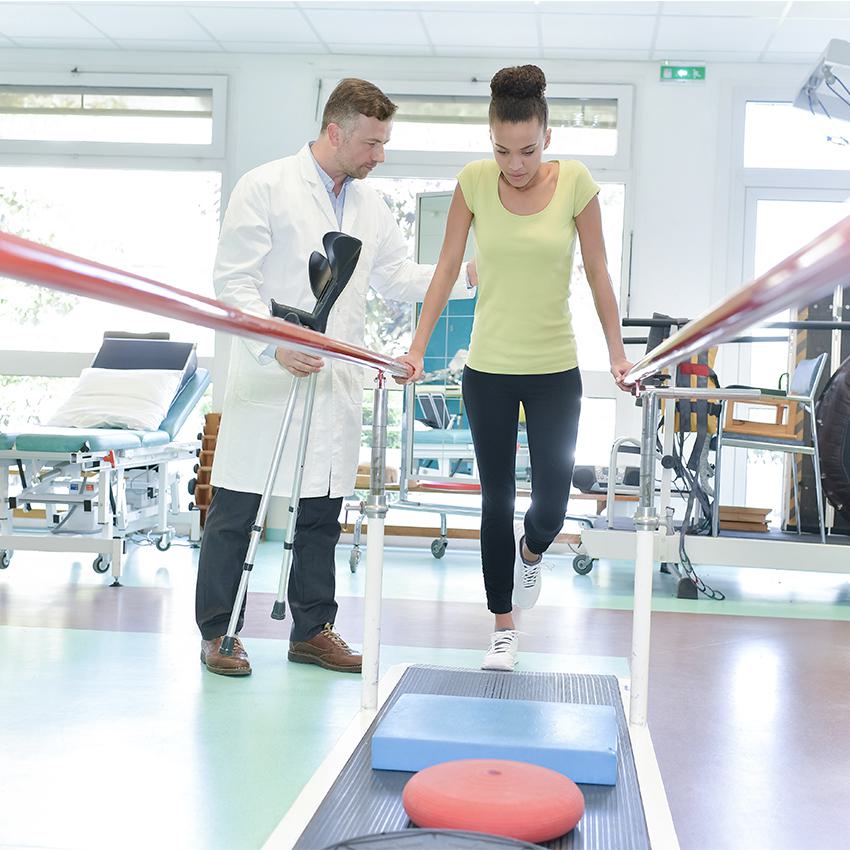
328	650
236	664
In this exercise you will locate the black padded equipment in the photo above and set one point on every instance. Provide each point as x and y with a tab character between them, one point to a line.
833	424
328	276
127	351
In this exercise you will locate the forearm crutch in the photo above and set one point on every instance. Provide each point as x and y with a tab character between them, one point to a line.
279	608
262	510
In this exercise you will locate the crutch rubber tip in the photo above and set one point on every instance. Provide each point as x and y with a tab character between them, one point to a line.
227	645
279	611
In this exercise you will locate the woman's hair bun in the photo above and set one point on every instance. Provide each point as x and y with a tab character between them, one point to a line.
521	81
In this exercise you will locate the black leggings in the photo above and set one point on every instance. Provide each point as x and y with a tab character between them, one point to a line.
552	404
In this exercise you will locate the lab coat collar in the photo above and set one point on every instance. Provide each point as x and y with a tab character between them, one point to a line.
353	197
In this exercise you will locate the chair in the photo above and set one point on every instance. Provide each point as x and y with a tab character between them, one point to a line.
781	434
434	411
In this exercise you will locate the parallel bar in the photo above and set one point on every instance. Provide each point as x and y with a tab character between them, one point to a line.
29	261
808	273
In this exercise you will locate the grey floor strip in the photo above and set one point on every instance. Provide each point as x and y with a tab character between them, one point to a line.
363	801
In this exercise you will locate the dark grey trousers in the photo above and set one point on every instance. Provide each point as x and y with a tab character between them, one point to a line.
312	580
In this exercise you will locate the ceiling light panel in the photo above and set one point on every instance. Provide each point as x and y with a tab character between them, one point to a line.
38	20
261	24
632	32
357	26
732	34
512	30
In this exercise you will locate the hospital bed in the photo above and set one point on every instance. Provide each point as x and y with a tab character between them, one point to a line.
89	489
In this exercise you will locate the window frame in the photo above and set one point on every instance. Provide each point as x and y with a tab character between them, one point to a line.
623	93
746	187
110	155
215	83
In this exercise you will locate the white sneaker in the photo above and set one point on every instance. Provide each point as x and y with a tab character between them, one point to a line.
527	578
502	654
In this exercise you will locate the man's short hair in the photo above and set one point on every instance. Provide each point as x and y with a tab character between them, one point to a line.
352	98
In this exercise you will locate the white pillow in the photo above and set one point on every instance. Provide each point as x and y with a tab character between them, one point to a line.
119	398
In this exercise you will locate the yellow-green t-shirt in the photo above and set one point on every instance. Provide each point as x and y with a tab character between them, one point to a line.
522	323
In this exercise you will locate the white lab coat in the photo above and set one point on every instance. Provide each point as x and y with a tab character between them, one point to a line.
277	215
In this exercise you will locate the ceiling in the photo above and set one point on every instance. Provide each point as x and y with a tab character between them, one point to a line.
718	31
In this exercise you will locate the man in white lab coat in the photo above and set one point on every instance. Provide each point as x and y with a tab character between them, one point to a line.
277	215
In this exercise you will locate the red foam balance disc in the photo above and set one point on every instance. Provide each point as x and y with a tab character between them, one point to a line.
508	798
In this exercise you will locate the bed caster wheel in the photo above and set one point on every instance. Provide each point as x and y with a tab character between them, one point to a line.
583	564
438	547
686	589
354	560
191	486
5	559
163	542
101	565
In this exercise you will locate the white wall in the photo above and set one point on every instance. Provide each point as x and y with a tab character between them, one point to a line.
683	177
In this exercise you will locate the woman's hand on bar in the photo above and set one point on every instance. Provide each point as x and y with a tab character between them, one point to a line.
415	363
619	370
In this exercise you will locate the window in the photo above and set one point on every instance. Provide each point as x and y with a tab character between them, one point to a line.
159	224
782	225
28	400
388	323
580	126
92	114
115	115
778	135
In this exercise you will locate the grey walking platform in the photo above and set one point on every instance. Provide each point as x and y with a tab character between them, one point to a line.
363	801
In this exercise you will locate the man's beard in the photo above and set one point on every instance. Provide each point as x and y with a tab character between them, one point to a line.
355	172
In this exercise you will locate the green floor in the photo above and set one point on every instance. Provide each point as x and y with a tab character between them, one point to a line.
118	740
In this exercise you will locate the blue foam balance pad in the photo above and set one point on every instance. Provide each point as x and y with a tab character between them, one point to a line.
421	730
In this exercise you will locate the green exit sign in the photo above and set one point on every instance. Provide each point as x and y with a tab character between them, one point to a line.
682	72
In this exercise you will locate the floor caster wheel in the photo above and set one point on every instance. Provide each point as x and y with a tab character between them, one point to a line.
583	564
101	564
438	547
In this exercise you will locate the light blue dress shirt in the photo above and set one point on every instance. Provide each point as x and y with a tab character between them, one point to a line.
337	201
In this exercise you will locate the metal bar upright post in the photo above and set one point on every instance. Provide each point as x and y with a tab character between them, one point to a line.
376	511
646	522
408	430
